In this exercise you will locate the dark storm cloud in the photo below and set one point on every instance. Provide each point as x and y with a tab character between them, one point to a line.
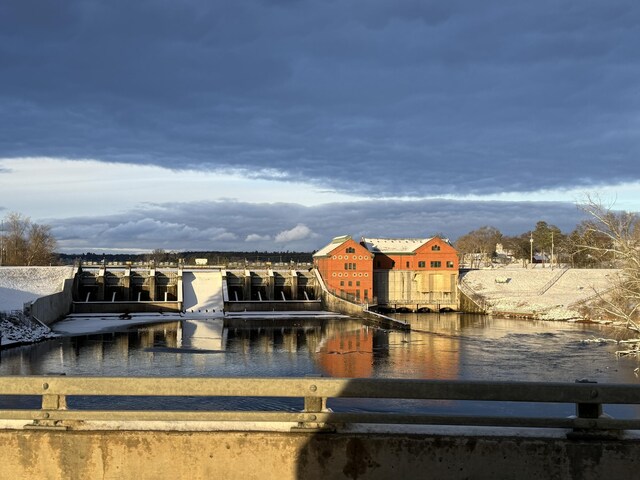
379	97
236	226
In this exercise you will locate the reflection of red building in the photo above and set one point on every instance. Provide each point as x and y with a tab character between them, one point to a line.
348	355
346	268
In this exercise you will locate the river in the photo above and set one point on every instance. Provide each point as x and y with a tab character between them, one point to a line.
439	346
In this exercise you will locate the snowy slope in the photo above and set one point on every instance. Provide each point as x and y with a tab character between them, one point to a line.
23	284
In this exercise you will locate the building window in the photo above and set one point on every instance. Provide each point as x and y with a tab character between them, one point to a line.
342	283
421	264
351	250
358	283
436	264
407	264
358	294
449	264
350	283
435	248
366	293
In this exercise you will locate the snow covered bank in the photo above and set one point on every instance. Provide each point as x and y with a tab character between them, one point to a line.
16	328
550	294
19	285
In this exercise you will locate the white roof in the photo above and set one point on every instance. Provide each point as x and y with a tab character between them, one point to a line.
335	243
394	245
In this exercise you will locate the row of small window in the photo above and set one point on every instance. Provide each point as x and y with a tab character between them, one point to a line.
345	274
350	283
433	264
366	294
346	257
349	266
421	264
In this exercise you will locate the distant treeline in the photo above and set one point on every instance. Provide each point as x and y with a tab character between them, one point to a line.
213	258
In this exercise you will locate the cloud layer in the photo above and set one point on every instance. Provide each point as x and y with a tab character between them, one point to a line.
419	98
237	226
277	124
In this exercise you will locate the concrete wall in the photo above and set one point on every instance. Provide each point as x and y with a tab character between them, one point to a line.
52	307
130	454
202	291
417	289
278	306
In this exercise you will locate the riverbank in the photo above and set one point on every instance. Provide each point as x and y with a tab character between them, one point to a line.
541	293
19	285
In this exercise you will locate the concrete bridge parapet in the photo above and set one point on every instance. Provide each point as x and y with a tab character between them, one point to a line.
56	442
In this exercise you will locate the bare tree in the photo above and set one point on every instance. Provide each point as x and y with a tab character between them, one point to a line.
25	242
478	245
15	241
519	246
618	233
40	245
158	255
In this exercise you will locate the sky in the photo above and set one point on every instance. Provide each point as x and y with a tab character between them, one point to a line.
279	124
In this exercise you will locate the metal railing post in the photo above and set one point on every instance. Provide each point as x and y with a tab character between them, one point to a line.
50	404
314	405
589	409
592	412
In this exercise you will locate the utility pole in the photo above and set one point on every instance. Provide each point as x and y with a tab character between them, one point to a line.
531	248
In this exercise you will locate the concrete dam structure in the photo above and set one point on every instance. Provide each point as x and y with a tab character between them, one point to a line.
128	288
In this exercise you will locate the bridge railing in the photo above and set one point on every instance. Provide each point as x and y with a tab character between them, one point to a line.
316	392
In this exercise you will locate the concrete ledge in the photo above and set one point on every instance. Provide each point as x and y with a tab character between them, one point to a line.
282	455
130	307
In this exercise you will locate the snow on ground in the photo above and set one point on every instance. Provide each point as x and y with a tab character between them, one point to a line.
19	285
83	324
17	328
552	294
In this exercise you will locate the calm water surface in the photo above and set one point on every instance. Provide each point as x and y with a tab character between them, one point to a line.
446	346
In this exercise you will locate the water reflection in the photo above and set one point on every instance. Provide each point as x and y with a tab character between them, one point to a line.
446	346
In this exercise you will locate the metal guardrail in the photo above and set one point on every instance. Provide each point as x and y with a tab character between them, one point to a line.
588	399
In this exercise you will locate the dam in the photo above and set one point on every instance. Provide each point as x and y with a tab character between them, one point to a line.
192	289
